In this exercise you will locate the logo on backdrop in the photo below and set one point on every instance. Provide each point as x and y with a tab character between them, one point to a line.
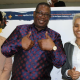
28	16
19	15
55	15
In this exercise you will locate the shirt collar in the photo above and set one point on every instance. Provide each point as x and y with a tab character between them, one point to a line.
73	42
46	28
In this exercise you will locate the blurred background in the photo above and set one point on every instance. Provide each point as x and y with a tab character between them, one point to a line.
32	3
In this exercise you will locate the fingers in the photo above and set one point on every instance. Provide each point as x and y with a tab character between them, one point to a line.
31	45
74	68
75	74
26	42
29	34
47	36
39	43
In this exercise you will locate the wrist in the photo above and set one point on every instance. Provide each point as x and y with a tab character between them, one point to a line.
68	73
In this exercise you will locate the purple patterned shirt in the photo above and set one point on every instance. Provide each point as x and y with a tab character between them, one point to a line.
33	64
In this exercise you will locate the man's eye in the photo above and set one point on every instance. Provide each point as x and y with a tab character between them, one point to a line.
76	26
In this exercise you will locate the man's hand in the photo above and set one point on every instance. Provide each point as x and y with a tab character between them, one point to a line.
73	73
46	44
26	42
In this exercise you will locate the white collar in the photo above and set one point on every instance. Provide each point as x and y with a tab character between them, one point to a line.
73	42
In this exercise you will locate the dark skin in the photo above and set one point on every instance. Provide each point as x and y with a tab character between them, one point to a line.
26	42
46	44
40	23
73	73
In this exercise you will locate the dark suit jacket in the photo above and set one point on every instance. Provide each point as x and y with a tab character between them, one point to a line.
68	47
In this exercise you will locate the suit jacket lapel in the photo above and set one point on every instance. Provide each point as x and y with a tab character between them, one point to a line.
70	53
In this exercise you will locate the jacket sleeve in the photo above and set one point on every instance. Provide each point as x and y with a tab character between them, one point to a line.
12	44
58	57
66	66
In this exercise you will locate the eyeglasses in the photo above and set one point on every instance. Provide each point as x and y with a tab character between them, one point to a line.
40	14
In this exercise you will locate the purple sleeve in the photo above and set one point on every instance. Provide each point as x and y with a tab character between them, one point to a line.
58	56
12	44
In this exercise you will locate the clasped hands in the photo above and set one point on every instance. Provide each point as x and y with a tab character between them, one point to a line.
44	44
73	73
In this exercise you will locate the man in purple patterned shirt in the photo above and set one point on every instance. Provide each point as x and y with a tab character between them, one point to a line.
35	47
